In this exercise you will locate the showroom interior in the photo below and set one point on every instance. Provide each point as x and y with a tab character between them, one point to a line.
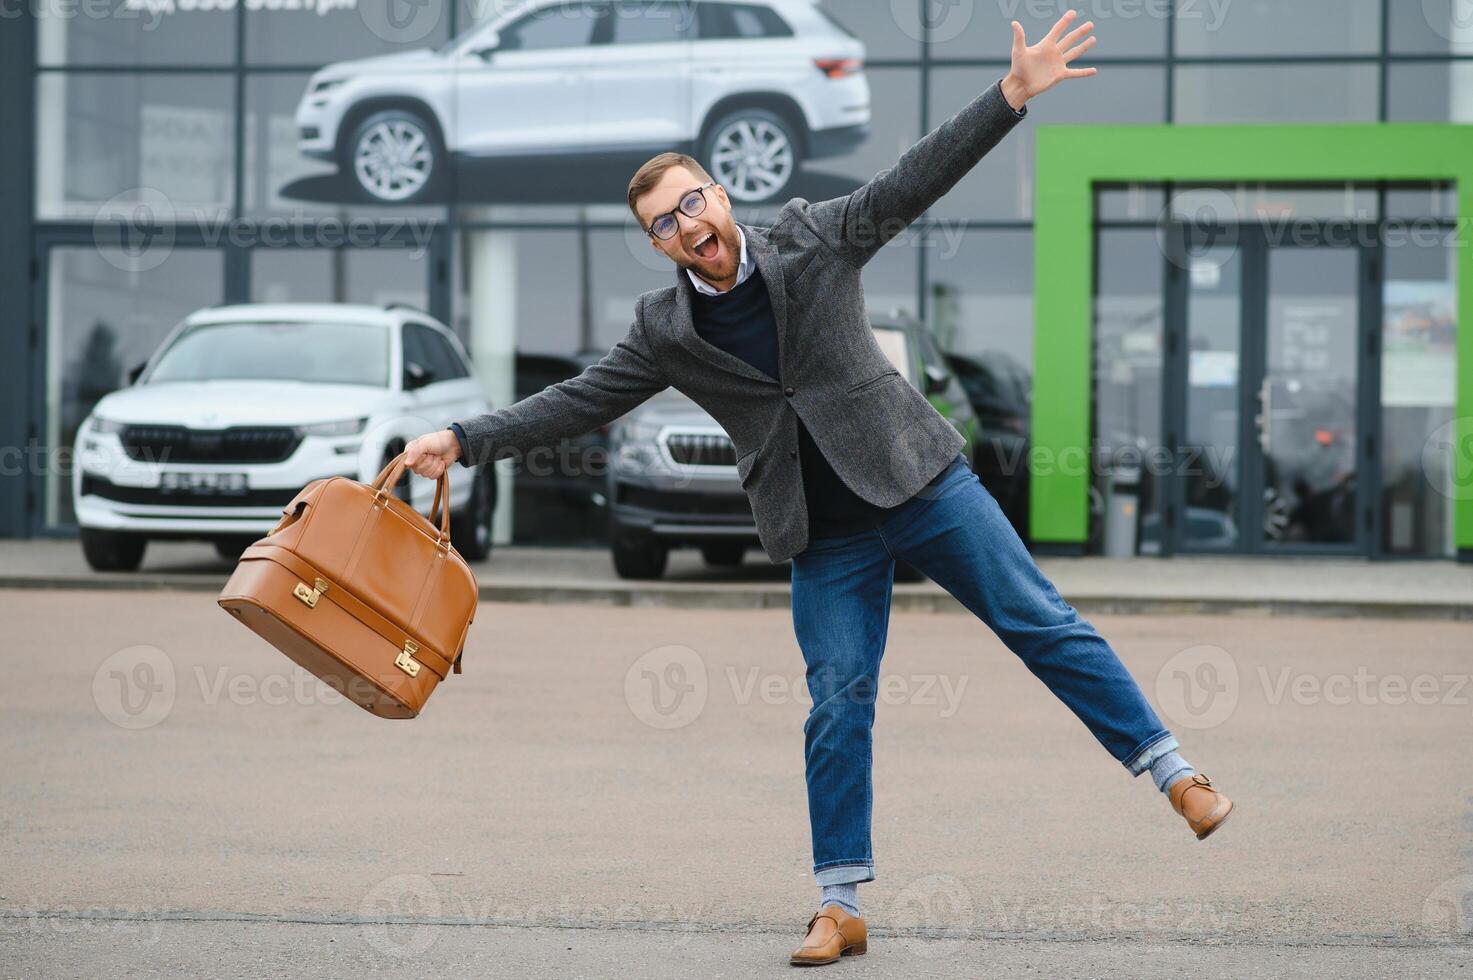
158	172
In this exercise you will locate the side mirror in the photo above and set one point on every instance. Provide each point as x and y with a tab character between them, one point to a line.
416	375
136	372
936	378
486	46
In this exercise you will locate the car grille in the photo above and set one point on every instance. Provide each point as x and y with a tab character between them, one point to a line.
241	444
701	448
152	496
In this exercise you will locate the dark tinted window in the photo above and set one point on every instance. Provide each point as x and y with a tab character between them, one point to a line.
425	347
415	351
444	357
641	22
740	20
565	26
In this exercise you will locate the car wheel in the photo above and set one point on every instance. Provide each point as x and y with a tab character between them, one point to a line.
470	530
723	555
753	153
112	551
232	547
638	556
394	157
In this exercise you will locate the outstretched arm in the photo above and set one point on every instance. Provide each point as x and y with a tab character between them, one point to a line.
626	376
856	225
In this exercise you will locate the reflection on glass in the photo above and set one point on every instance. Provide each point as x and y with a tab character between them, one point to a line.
1211	453
1128	362
1129	202
151	147
1418	386
1307	400
101	322
1275	93
1206	205
1430	92
319	353
1430	27
116	32
1000	186
1302	27
340	275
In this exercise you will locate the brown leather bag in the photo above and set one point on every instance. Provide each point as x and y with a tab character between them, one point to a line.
358	587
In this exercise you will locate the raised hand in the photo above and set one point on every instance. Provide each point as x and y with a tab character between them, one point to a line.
1039	67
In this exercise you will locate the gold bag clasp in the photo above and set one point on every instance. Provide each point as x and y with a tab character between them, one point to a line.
405	661
308	594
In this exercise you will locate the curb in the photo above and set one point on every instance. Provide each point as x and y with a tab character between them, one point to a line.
906	598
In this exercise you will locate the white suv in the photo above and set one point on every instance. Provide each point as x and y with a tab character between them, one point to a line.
750	88
242	406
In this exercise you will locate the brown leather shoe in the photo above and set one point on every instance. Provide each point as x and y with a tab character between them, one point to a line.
832	933
1199	801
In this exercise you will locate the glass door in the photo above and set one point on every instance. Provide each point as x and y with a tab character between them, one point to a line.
1307	399
1269	402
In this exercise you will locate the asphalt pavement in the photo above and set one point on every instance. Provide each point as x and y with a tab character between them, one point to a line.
618	791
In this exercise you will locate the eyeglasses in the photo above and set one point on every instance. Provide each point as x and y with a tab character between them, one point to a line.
666	225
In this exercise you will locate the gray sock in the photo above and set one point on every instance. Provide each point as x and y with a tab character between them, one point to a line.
1168	769
846	896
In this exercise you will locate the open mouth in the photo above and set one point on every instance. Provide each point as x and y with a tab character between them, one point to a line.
707	246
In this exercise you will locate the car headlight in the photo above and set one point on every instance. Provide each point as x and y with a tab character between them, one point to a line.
327	85
104	427
347	427
633	431
635	449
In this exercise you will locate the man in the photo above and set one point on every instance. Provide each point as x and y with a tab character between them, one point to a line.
847	466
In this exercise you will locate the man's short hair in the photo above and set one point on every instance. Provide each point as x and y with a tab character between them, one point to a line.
648	175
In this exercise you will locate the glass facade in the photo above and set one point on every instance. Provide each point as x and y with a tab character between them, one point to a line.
253	134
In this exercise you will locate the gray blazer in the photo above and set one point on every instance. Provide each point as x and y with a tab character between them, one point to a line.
879	433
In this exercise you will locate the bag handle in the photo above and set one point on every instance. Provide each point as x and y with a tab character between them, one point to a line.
389	475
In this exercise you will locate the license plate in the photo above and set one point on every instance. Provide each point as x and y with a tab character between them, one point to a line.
204	484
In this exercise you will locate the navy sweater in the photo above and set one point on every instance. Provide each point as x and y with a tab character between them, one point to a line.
740	321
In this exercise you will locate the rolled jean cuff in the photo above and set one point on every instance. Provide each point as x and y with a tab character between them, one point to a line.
1150	752
842	874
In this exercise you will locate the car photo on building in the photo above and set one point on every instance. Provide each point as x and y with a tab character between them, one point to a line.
752	89
672	468
243	405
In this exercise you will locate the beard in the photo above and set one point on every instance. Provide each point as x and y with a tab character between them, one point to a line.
724	264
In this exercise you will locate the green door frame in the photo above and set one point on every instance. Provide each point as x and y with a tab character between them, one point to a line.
1072	159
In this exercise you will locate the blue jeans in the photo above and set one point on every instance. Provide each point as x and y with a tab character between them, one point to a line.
955	533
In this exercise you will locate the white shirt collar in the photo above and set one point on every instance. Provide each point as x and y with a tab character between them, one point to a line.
743	270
